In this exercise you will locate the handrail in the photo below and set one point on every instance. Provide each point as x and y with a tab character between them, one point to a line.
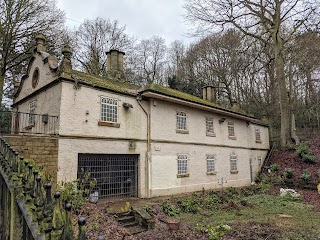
12	122
268	157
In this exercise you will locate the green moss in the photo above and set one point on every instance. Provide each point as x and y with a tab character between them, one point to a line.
185	96
105	83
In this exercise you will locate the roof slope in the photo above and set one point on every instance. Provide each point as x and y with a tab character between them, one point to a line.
103	82
188	97
126	88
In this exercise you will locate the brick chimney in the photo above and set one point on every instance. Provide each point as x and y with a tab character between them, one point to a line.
115	63
209	93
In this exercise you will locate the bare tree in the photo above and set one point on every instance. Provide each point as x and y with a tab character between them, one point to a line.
274	23
20	20
94	38
150	56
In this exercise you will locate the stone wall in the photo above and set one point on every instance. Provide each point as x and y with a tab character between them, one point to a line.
42	149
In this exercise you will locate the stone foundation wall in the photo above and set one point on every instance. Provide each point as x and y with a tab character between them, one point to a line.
42	149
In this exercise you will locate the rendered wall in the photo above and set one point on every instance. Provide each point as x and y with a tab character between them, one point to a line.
80	114
70	148
167	144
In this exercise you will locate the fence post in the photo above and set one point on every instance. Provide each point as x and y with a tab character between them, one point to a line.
57	219
81	223
68	228
47	212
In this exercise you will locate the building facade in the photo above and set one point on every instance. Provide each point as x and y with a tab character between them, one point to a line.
136	142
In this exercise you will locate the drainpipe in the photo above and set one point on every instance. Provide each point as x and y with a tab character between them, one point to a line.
148	154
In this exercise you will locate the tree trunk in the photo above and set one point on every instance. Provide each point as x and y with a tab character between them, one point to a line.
285	136
1	87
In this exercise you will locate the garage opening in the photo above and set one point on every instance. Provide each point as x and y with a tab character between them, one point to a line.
116	174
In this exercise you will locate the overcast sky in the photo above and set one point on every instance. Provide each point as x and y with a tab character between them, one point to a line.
143	18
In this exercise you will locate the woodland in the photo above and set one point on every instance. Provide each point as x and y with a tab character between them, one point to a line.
262	57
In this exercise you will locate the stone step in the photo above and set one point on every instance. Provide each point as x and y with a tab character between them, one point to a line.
126	219
129	224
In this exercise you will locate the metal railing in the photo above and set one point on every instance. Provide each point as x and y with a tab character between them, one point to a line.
20	122
27	210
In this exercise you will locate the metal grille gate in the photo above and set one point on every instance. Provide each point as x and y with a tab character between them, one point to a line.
116	174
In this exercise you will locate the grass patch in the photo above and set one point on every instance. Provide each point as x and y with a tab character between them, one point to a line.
288	219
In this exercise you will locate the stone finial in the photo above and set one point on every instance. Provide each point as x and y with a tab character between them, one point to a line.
66	52
66	64
41	41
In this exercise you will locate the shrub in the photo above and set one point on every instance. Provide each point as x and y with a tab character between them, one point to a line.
318	173
271	178
274	167
306	176
303	152
212	200
170	209
190	204
303	148
288	172
77	191
307	158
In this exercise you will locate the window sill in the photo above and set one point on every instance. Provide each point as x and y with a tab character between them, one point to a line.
234	171
109	124
258	141
182	131
233	137
183	175
212	173
208	134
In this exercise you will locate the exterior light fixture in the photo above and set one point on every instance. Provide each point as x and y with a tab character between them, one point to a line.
221	120
127	105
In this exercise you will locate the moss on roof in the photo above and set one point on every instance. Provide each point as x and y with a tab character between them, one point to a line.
105	82
188	97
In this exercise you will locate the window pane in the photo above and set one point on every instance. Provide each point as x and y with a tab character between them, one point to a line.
210	163
233	163
209	125
182	164
181	121
231	129
109	110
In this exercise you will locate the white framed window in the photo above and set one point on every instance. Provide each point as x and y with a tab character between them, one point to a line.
182	164
210	163
259	159
209	127
109	110
32	111
231	132
233	163
181	120
258	135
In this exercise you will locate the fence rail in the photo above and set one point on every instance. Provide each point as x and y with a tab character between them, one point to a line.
27	211
20	122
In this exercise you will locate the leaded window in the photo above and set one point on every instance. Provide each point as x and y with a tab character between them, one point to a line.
209	125
233	163
258	135
109	109
210	163
181	120
231	129
182	163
